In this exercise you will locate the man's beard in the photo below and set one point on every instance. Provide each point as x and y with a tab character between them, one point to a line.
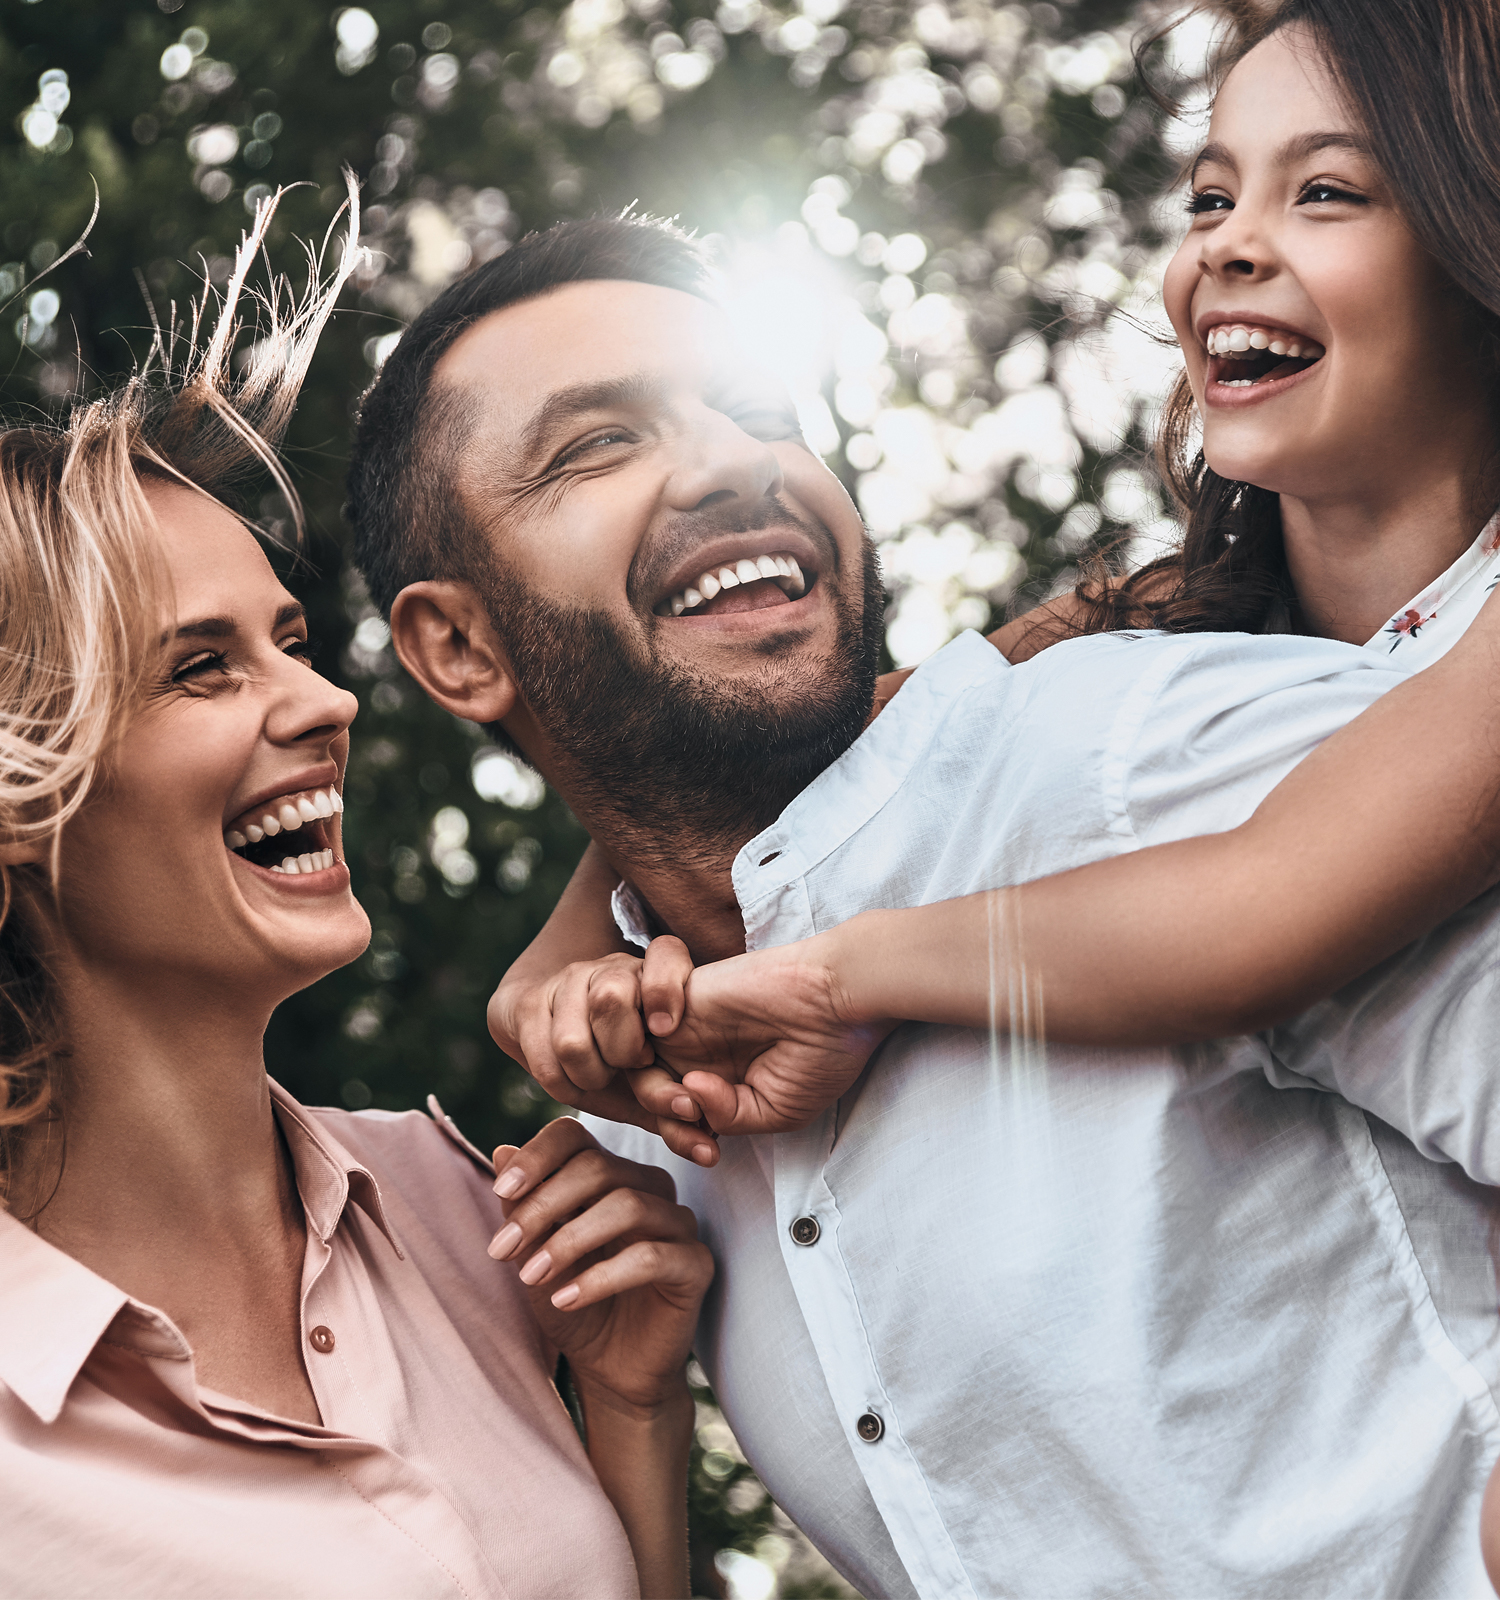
682	761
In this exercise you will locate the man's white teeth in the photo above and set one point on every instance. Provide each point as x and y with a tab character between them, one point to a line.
288	816
783	569
1242	340
316	861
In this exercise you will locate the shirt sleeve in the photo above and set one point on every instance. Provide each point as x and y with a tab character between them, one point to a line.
1416	1041
1203	739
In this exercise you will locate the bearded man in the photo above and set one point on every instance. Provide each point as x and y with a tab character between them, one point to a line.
999	1321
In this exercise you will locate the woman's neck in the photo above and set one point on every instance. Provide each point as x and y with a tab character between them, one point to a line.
1355	563
165	1151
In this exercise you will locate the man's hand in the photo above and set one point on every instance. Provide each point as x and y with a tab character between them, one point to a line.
582	1035
767	1040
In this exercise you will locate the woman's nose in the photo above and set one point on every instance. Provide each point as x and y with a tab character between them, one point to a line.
718	461
309	708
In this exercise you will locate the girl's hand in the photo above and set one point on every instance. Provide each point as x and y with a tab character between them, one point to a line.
768	1040
581	1033
612	1264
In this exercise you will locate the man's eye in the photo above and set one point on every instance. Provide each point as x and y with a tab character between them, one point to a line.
594	441
1204	201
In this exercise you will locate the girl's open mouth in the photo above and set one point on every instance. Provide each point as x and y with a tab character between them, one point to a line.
1243	357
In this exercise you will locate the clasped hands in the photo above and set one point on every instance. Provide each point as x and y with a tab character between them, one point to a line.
758	1043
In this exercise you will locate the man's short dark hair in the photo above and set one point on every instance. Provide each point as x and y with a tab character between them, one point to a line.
409	523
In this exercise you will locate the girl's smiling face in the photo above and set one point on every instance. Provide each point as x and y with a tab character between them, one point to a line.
159	873
1327	351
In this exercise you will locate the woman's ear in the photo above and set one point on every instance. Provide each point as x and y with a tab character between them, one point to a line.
444	638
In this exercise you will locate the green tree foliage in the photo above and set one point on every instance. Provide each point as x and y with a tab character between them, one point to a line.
966	191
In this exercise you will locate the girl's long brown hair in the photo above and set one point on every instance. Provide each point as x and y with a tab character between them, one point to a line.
1422	78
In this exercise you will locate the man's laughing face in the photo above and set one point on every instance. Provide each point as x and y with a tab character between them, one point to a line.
680	586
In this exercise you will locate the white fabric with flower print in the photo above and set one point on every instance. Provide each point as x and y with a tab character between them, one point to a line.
1435	620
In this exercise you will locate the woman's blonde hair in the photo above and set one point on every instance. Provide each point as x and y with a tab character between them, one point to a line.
81	590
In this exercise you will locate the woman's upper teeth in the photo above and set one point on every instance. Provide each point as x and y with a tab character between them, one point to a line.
283	816
780	568
1244	339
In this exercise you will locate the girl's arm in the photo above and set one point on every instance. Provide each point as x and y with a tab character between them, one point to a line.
1358	851
616	1276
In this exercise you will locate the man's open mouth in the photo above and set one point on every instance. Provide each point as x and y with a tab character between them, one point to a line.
750	584
290	834
1242	355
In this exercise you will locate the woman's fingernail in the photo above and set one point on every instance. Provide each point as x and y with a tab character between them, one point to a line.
684	1109
537	1268
505	1241
508	1184
565	1297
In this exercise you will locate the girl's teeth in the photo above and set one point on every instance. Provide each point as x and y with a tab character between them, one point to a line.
1239	340
291	819
708	585
306	809
338	801
1258	340
305	863
235	841
1277	347
289	864
322	804
254	834
270	825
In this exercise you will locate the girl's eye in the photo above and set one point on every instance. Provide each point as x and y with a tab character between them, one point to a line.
1204	201
1316	194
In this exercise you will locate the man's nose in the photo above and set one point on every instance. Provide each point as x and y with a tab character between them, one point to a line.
717	461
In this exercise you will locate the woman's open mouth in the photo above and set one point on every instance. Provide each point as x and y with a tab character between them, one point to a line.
290	834
1242	356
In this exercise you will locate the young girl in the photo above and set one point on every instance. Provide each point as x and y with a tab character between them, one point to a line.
249	1348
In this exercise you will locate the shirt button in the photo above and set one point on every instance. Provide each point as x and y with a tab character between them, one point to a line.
805	1230
869	1427
321	1339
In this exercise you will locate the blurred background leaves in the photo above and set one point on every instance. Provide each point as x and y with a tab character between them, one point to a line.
943	222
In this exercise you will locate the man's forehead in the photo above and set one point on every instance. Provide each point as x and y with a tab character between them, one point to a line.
582	332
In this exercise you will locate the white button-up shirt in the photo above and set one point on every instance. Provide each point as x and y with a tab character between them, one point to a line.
1126	1322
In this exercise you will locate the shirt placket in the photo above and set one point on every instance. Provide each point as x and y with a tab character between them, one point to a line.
810	1229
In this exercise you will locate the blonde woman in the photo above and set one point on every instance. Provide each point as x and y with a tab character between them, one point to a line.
249	1348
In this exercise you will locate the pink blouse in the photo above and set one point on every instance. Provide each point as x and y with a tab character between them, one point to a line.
446	1466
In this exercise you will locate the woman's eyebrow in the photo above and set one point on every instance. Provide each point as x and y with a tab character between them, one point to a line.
225	627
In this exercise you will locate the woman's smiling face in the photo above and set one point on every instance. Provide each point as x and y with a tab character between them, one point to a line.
1327	351
238	736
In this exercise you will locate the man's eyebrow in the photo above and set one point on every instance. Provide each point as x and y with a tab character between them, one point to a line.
562	405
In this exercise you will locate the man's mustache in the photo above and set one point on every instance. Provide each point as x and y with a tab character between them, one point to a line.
685	533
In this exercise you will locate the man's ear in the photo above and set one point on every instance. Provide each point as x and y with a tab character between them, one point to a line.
445	640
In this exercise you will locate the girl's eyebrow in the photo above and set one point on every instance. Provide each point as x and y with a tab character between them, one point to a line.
1298	148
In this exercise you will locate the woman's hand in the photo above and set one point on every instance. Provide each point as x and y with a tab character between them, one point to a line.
612	1264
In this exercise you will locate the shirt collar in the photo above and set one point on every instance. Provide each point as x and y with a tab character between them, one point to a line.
54	1310
842	799
328	1177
